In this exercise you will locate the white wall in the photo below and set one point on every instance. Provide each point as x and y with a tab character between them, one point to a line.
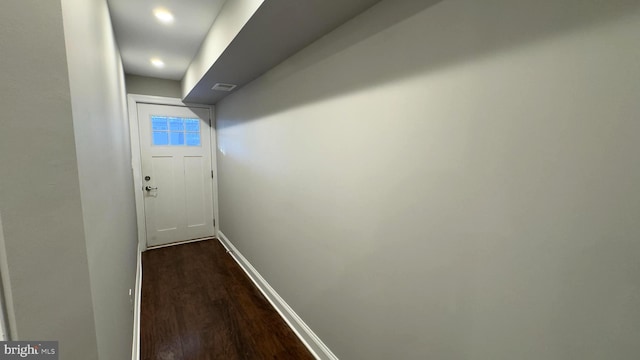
39	190
454	181
104	164
143	85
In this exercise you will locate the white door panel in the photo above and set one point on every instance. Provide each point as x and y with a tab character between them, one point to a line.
193	168
175	149
164	213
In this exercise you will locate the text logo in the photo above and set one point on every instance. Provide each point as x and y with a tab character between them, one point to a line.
31	350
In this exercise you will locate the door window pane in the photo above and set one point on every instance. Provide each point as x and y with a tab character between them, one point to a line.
177	138
176	124
193	139
192	124
159	123
160	138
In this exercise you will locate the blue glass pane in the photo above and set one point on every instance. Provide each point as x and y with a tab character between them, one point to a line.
176	124
177	138
159	123
192	124
193	139
160	138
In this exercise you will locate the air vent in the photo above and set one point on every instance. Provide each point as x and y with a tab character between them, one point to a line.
223	87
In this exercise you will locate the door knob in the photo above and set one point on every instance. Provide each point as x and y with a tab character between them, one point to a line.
149	188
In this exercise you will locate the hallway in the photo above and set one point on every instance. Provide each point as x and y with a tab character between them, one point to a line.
198	304
417	179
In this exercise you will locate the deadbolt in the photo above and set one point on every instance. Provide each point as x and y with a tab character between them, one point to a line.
147	178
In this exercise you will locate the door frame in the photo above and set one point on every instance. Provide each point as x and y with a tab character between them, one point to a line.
136	158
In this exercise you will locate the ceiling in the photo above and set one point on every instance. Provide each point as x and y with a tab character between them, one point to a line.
275	31
141	37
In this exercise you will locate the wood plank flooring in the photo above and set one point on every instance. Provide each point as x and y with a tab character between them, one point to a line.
197	303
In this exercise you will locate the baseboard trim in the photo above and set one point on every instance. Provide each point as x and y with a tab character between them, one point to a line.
135	348
319	350
180	243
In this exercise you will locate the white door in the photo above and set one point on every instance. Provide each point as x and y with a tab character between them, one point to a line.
175	149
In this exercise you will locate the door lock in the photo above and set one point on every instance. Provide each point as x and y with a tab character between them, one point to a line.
150	188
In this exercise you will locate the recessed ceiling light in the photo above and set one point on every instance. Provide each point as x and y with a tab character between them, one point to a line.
157	62
163	15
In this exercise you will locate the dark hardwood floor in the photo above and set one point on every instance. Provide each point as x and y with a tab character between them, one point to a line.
198	304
